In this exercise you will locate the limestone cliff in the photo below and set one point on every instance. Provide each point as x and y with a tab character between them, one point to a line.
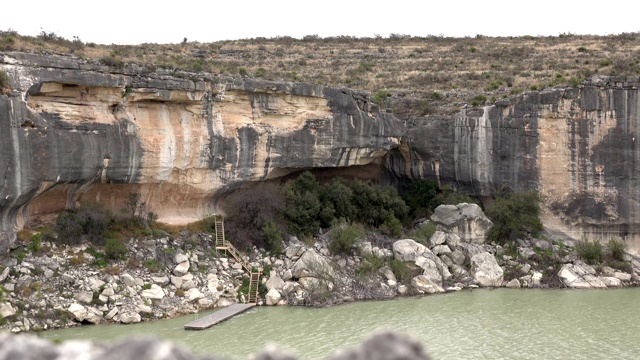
578	147
73	131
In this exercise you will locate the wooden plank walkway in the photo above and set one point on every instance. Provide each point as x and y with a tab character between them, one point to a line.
218	316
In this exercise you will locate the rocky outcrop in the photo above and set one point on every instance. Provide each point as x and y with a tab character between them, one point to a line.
382	346
467	221
576	147
73	131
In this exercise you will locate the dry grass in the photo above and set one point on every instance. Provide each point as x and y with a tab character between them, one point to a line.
410	68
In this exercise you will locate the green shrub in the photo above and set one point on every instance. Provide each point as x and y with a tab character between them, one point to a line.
343	238
4	81
513	215
435	96
616	249
478	100
90	221
391	227
273	236
404	271
35	243
376	203
115	249
370	265
381	96
423	233
590	251
152	265
336	199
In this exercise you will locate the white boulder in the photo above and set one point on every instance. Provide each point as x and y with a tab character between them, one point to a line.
486	271
272	297
153	293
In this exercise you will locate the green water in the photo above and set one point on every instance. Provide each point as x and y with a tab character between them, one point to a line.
479	324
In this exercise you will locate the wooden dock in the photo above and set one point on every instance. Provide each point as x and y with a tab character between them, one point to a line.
218	316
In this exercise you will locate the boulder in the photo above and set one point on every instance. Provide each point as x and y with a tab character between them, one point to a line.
181	269
4	274
457	257
316	284
513	284
294	251
130	317
424	285
93	316
470	250
438	238
407	249
193	294
430	269
186	285
622	276
153	293
180	258
272	297
580	276
113	312
6	310
388	273
160	280
465	220
441	249
128	280
610	281
78	311
274	282
312	264
223	302
486	271
176	281
536	278
84	297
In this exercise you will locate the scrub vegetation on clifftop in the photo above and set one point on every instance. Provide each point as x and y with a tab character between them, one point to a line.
415	76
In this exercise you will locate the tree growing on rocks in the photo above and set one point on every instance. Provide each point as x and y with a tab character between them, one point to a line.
514	214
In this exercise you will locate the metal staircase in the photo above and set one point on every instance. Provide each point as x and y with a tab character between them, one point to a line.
224	245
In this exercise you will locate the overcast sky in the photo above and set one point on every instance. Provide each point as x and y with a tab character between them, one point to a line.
136	21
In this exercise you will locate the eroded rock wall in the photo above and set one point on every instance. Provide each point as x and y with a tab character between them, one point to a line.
74	131
578	147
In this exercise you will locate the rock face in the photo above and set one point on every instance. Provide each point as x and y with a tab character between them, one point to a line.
576	147
73	131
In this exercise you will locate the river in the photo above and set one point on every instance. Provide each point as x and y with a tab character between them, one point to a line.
478	324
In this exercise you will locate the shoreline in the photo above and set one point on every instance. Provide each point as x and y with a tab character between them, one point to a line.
196	279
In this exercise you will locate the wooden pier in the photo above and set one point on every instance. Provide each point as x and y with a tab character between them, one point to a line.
218	316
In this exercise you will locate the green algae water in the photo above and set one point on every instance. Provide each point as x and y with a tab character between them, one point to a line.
478	324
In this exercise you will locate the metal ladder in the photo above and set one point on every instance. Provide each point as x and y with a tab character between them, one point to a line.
224	245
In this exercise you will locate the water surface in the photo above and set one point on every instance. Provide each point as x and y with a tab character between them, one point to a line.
478	324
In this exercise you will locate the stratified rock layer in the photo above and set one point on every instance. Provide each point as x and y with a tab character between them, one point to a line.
577	147
73	131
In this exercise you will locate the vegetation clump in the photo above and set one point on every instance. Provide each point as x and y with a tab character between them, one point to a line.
514	214
590	251
344	237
